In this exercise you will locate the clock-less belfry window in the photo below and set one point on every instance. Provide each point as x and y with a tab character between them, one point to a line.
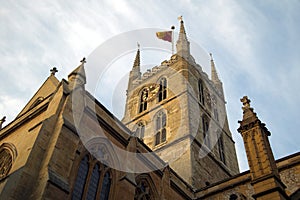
160	127
162	93
143	100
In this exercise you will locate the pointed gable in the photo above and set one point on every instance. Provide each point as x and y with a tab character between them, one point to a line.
48	87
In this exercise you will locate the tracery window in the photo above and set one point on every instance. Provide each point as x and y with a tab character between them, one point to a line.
143	100
8	154
145	189
162	93
221	149
105	186
201	91
206	136
93	180
160	128
140	130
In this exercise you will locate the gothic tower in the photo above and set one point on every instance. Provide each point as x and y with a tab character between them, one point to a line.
179	112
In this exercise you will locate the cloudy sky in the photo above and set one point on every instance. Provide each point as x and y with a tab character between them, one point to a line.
256	47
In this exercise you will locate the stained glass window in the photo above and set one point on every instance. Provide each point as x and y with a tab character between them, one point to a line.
81	179
105	187
93	185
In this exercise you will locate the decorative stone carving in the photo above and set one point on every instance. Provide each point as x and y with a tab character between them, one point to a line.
8	154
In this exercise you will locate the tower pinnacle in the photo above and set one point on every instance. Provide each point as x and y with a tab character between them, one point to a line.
183	45
77	77
137	58
214	74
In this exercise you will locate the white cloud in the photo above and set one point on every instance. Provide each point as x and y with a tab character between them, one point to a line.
255	46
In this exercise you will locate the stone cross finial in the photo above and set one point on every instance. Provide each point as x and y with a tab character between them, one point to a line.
2	121
83	60
246	102
53	71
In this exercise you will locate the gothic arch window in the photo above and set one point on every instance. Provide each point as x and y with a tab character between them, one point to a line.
140	130
162	93
143	100
81	178
201	91
205	127
93	180
8	153
105	186
145	189
93	184
221	148
160	127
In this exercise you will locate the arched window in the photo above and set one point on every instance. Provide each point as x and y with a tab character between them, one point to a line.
201	91
93	185
143	100
162	93
205	125
221	148
140	130
93	180
8	153
142	191
105	187
145	188
160	128
81	179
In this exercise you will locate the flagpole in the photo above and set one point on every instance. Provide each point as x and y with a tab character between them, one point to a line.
172	28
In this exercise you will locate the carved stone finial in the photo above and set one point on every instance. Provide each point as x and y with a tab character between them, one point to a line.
2	121
83	60
246	102
53	71
180	18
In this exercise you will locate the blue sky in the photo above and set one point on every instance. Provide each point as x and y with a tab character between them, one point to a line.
256	47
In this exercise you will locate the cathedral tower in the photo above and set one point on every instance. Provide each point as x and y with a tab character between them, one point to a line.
179	112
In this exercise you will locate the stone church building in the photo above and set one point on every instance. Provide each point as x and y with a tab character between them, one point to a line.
173	142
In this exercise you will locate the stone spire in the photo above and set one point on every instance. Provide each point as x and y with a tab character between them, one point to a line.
136	63
183	45
263	169
135	73
77	77
214	74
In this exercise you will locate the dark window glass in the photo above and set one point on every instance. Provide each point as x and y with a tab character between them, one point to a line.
233	197
221	149
93	185
201	93
80	179
162	93
157	138
143	100
105	187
